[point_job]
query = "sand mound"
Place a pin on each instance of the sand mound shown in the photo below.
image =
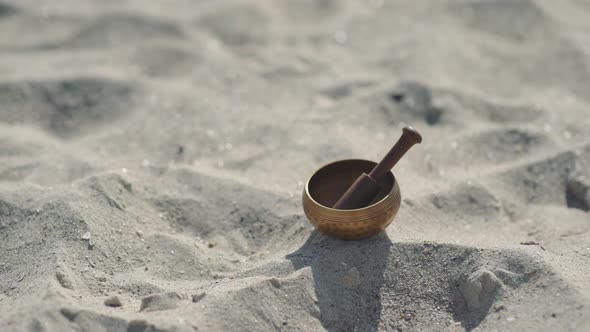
(152, 158)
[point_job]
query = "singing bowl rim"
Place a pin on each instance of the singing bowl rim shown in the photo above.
(394, 188)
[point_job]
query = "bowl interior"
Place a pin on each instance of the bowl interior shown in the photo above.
(330, 182)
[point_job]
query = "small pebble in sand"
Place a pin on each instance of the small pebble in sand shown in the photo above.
(499, 307)
(64, 280)
(139, 233)
(162, 301)
(479, 288)
(113, 301)
(86, 236)
(198, 297)
(511, 319)
(210, 245)
(275, 282)
(351, 279)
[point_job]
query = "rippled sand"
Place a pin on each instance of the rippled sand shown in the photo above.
(155, 151)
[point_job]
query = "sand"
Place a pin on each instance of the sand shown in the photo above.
(153, 155)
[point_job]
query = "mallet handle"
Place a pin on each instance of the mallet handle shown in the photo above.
(366, 187)
(409, 137)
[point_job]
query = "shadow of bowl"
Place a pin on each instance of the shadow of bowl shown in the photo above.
(347, 284)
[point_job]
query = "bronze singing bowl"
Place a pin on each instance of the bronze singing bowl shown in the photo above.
(326, 186)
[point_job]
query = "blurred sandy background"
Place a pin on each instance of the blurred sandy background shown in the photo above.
(153, 154)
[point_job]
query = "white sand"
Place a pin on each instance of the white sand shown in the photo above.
(176, 136)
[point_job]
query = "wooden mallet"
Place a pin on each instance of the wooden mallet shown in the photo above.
(366, 187)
